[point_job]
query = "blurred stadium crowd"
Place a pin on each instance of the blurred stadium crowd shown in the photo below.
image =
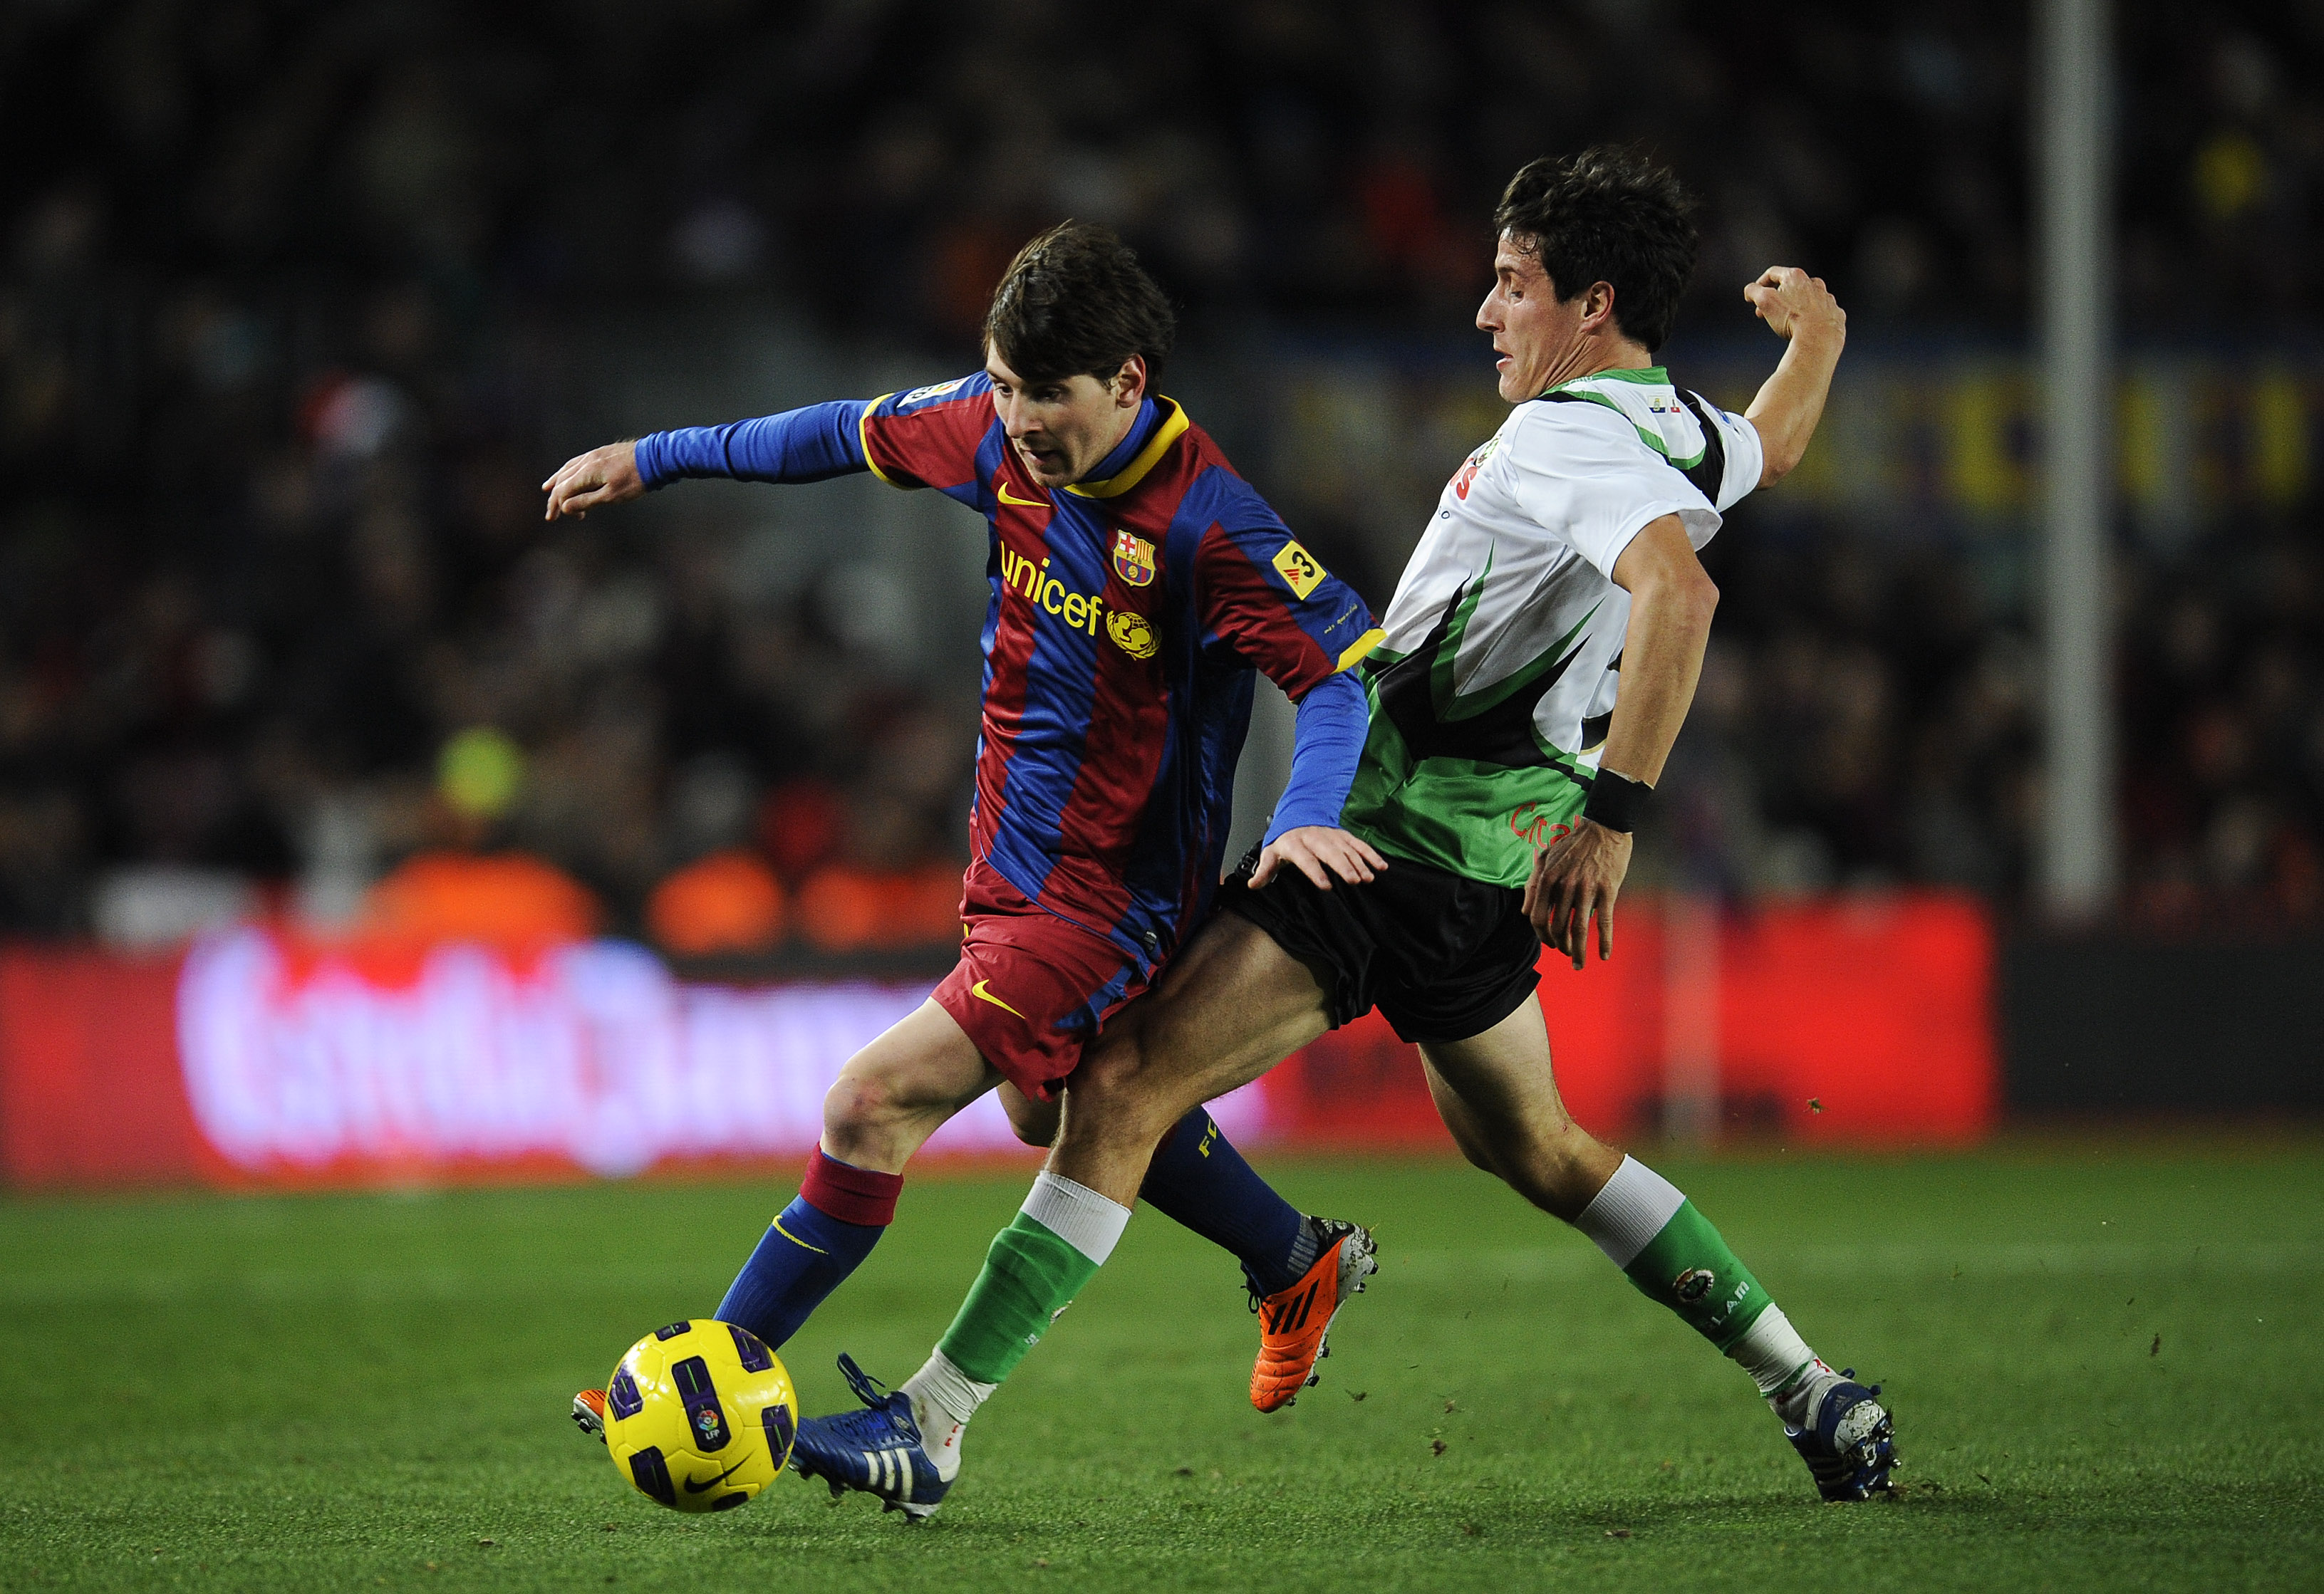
(287, 285)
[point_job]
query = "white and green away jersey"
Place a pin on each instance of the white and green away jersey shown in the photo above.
(1491, 694)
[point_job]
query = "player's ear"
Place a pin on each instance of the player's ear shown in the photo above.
(1598, 307)
(1128, 383)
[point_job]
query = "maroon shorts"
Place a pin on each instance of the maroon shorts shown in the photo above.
(1031, 989)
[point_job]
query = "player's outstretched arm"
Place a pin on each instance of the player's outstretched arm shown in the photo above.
(601, 476)
(1801, 310)
(809, 445)
(1578, 877)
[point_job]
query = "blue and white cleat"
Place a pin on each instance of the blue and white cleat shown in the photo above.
(874, 1452)
(1850, 1443)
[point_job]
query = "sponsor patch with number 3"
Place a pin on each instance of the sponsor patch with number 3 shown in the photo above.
(1299, 569)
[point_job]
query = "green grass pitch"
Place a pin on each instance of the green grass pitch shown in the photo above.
(2104, 1358)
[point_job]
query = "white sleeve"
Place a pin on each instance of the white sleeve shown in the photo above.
(1747, 456)
(1578, 472)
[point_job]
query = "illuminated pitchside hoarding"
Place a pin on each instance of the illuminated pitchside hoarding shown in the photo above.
(256, 1058)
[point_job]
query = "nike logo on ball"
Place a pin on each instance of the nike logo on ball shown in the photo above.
(693, 1488)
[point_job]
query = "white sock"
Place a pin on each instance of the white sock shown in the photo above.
(944, 1398)
(1791, 1376)
(1797, 1405)
(1089, 1223)
(1629, 1211)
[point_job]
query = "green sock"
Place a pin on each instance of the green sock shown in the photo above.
(1688, 1269)
(1651, 1232)
(1030, 1275)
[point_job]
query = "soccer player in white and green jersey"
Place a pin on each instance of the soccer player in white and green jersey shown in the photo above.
(1541, 650)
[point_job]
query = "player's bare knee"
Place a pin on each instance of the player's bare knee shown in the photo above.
(859, 1103)
(1112, 1101)
(1111, 1104)
(1108, 1075)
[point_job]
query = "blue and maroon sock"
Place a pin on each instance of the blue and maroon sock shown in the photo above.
(1202, 1182)
(812, 1246)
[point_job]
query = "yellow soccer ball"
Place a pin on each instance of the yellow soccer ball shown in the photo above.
(700, 1415)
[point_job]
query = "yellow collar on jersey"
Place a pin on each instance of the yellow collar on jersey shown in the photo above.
(1173, 425)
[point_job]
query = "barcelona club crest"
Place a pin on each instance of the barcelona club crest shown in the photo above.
(1133, 558)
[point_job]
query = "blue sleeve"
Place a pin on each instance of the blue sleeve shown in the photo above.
(1326, 740)
(810, 445)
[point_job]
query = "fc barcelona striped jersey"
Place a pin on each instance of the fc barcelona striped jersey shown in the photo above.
(1126, 616)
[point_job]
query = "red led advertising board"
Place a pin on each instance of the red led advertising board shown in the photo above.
(254, 1059)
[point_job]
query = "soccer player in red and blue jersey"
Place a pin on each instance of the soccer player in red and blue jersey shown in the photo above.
(1562, 548)
(1137, 582)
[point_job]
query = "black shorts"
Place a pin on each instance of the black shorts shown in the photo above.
(1444, 957)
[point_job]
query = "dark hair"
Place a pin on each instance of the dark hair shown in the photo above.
(1075, 300)
(1611, 216)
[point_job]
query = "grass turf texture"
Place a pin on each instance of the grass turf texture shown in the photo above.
(2103, 1359)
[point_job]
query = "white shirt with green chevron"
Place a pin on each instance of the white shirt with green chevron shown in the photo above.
(1491, 693)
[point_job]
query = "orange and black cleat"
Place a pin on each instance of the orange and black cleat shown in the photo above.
(1295, 1323)
(589, 1413)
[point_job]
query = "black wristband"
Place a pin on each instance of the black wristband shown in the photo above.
(1616, 801)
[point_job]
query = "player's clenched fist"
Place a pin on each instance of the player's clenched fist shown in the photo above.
(1793, 303)
(602, 475)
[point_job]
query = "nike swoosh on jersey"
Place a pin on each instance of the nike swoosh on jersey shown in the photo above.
(982, 995)
(693, 1487)
(1025, 503)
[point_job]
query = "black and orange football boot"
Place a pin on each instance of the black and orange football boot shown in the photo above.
(1294, 1324)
